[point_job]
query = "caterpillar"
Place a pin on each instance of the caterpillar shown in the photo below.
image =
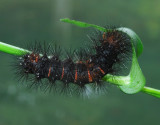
(80, 68)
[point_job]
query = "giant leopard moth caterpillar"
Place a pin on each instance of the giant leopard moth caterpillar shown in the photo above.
(80, 69)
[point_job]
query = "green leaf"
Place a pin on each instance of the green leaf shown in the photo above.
(136, 77)
(83, 24)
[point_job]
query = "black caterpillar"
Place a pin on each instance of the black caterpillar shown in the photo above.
(89, 68)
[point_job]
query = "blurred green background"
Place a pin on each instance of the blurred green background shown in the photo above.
(23, 21)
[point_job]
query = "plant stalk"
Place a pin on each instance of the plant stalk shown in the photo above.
(13, 50)
(151, 91)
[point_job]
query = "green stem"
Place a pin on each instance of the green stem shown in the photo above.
(13, 50)
(151, 91)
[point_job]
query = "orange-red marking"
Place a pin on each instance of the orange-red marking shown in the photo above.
(101, 70)
(89, 76)
(110, 40)
(34, 57)
(49, 73)
(62, 73)
(75, 79)
(104, 35)
(37, 57)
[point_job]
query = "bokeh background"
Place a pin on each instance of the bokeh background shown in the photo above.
(23, 21)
